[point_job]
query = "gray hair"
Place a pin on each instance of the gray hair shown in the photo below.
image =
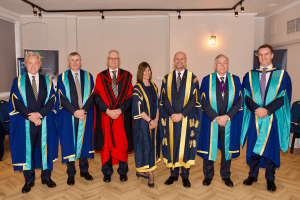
(219, 56)
(74, 54)
(113, 51)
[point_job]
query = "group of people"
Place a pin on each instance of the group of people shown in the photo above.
(114, 118)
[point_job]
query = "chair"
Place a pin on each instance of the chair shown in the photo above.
(4, 116)
(295, 123)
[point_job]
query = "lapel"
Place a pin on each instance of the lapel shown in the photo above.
(268, 85)
(29, 91)
(82, 82)
(73, 91)
(42, 89)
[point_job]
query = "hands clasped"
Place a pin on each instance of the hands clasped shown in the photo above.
(222, 120)
(176, 117)
(114, 114)
(35, 118)
(80, 114)
(261, 112)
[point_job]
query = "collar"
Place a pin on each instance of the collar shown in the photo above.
(75, 72)
(219, 77)
(30, 76)
(268, 67)
(181, 73)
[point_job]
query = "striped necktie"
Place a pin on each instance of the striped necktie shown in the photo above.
(114, 84)
(33, 84)
(178, 80)
(223, 83)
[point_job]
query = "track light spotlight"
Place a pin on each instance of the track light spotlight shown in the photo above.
(34, 11)
(40, 14)
(179, 16)
(242, 9)
(236, 14)
(103, 18)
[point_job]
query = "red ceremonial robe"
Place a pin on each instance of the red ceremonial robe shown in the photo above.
(113, 135)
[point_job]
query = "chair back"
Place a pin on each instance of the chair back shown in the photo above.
(295, 112)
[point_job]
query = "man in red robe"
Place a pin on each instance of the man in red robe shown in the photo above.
(113, 131)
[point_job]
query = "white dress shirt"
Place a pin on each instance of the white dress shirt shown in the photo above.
(219, 77)
(78, 75)
(37, 78)
(181, 73)
(267, 73)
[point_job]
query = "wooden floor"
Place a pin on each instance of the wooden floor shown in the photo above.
(287, 182)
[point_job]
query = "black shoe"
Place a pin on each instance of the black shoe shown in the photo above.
(186, 182)
(151, 185)
(228, 182)
(71, 180)
(171, 180)
(250, 180)
(207, 181)
(87, 176)
(107, 178)
(141, 175)
(123, 177)
(27, 187)
(49, 182)
(271, 185)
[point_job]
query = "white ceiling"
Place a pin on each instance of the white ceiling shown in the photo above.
(251, 6)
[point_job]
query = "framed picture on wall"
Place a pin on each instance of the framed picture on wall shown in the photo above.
(21, 66)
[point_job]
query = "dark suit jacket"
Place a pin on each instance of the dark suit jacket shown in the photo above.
(221, 104)
(72, 106)
(175, 109)
(34, 105)
(271, 107)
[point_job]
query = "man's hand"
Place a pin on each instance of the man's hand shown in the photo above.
(34, 116)
(114, 114)
(222, 120)
(79, 113)
(38, 122)
(176, 117)
(153, 124)
(83, 117)
(261, 112)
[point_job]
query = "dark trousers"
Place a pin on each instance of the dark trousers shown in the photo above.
(108, 170)
(83, 165)
(83, 162)
(208, 165)
(270, 167)
(184, 172)
(35, 138)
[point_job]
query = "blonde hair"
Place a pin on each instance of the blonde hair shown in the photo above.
(35, 55)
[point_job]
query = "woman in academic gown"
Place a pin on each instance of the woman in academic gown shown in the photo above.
(145, 120)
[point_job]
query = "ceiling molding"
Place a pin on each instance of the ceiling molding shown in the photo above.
(211, 14)
(283, 9)
(8, 15)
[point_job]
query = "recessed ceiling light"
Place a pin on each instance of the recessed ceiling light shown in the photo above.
(273, 5)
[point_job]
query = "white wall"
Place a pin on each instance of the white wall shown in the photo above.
(276, 35)
(137, 39)
(235, 39)
(154, 39)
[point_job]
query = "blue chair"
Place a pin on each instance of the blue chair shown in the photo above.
(4, 116)
(295, 123)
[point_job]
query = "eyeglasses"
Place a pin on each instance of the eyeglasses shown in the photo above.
(115, 59)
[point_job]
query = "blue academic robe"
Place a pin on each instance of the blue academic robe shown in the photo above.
(65, 121)
(145, 140)
(208, 140)
(19, 129)
(266, 136)
(179, 140)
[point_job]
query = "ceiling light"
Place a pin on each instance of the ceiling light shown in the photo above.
(236, 14)
(103, 18)
(34, 11)
(179, 16)
(213, 40)
(40, 14)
